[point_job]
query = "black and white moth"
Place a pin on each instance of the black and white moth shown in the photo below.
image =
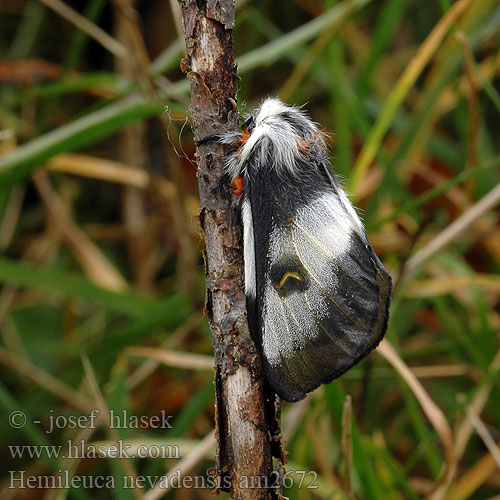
(317, 295)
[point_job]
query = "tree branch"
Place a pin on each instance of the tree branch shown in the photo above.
(247, 416)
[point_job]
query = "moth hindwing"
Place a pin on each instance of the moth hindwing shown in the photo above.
(317, 295)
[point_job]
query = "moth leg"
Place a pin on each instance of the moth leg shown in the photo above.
(208, 139)
(234, 139)
(221, 184)
(237, 184)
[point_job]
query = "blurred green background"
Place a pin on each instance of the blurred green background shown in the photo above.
(101, 300)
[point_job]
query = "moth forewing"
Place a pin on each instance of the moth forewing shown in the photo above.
(317, 295)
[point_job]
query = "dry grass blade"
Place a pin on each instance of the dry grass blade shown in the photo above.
(470, 480)
(465, 429)
(100, 36)
(485, 435)
(177, 17)
(401, 89)
(319, 433)
(473, 104)
(9, 333)
(45, 380)
(431, 410)
(347, 445)
(452, 232)
(39, 251)
(11, 216)
(133, 149)
(442, 371)
(110, 171)
(173, 448)
(446, 284)
(128, 22)
(96, 265)
(149, 366)
(98, 168)
(184, 360)
(69, 464)
(294, 416)
(463, 434)
(103, 414)
(183, 466)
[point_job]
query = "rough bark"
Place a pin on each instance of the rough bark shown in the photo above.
(246, 413)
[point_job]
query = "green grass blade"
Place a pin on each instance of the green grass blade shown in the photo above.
(71, 285)
(82, 132)
(270, 52)
(400, 91)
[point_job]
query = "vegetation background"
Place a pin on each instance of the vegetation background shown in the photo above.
(102, 280)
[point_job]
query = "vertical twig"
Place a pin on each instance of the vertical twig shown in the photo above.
(347, 445)
(246, 417)
(138, 68)
(132, 150)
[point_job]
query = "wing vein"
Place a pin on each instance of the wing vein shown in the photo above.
(320, 324)
(299, 351)
(314, 277)
(323, 249)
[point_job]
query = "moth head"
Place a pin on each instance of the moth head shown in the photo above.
(270, 108)
(275, 136)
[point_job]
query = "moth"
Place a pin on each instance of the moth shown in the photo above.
(317, 295)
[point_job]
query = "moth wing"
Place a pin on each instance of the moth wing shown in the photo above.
(325, 296)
